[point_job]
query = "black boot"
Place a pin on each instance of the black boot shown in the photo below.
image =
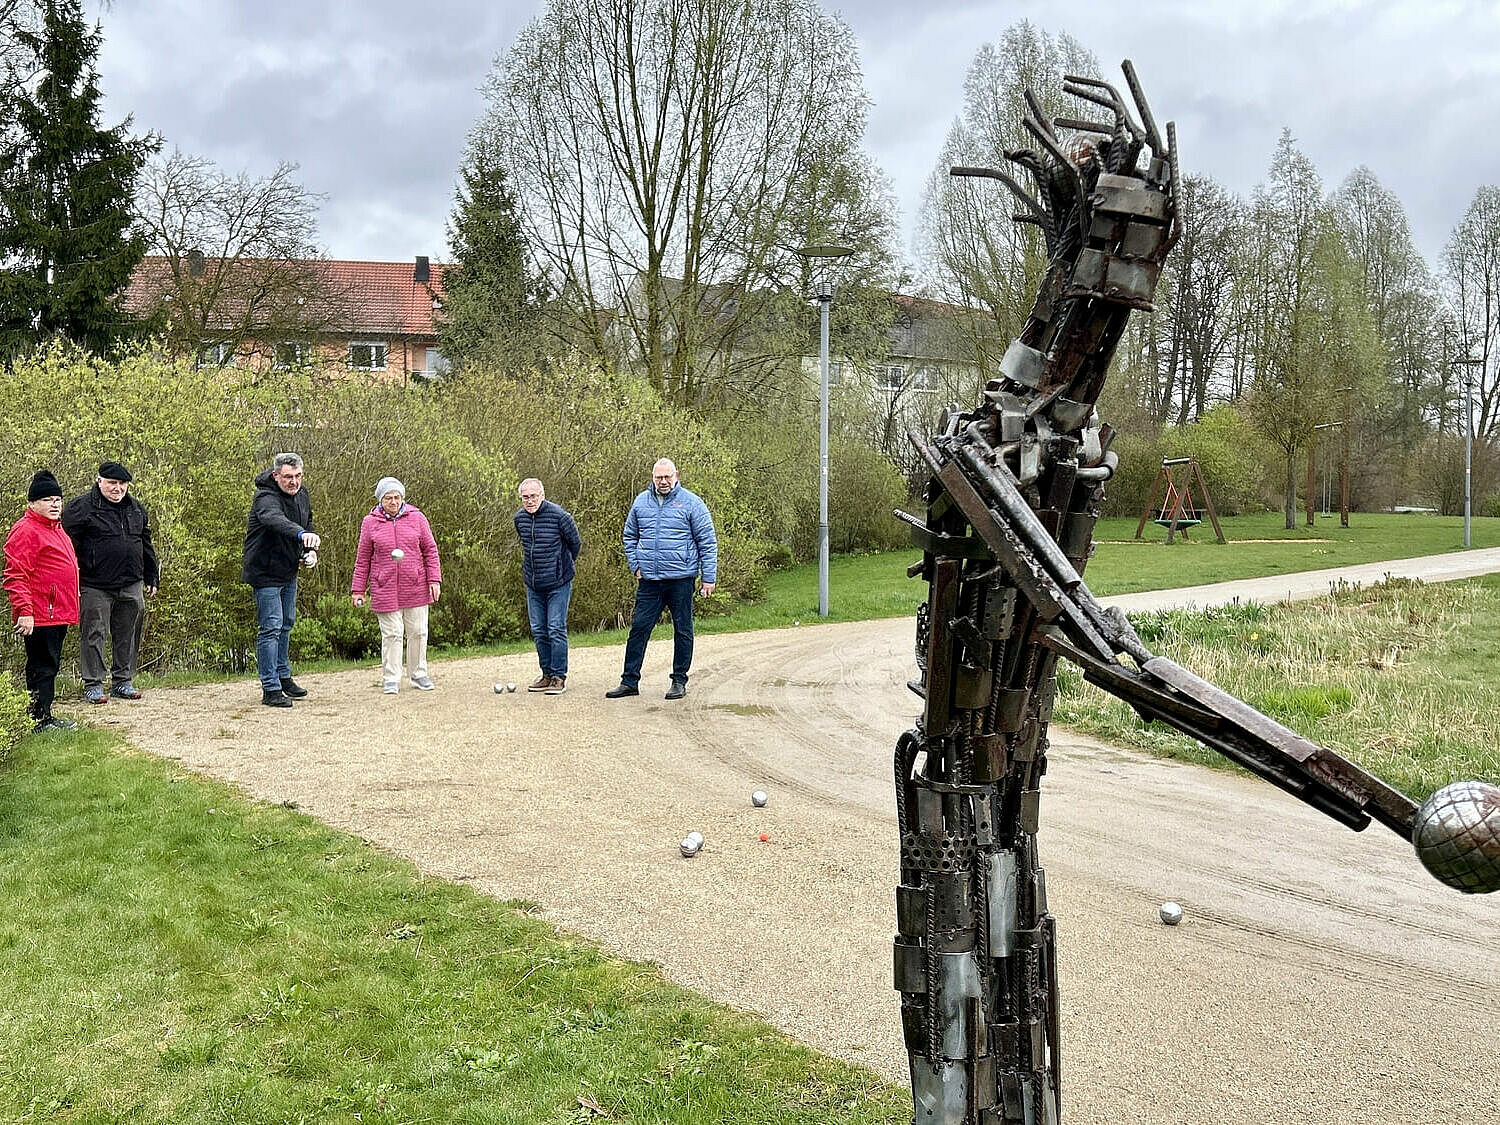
(292, 688)
(275, 698)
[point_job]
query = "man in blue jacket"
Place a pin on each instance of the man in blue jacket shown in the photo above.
(670, 545)
(549, 548)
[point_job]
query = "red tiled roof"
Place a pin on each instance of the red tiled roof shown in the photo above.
(385, 297)
(372, 298)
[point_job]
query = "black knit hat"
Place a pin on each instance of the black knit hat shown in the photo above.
(113, 470)
(43, 485)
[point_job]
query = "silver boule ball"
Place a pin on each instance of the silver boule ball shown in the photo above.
(696, 837)
(398, 553)
(510, 687)
(1170, 913)
(689, 847)
(759, 798)
(1457, 836)
(499, 689)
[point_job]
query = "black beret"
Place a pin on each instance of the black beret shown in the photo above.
(113, 470)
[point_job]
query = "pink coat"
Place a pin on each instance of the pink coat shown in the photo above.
(396, 583)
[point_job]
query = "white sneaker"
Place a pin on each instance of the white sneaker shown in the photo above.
(391, 687)
(422, 683)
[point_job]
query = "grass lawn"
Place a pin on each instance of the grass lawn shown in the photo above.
(1398, 677)
(861, 587)
(170, 952)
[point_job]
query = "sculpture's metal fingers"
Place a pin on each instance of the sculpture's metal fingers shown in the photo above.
(1176, 183)
(1038, 112)
(1037, 213)
(1083, 126)
(1085, 88)
(1148, 123)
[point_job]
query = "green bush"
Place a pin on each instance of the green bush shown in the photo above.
(15, 713)
(352, 633)
(309, 640)
(1231, 456)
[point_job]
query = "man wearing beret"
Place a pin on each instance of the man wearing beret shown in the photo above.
(41, 580)
(117, 572)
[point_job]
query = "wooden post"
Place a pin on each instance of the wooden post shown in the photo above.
(1312, 478)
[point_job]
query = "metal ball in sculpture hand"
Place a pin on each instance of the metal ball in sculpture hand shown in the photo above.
(397, 553)
(689, 847)
(1457, 836)
(759, 798)
(1170, 913)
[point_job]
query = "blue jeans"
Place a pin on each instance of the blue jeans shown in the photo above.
(548, 610)
(276, 610)
(651, 595)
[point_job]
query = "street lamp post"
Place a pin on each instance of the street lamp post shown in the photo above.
(823, 294)
(1470, 362)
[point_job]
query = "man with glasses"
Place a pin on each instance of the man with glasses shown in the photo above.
(279, 538)
(672, 548)
(549, 547)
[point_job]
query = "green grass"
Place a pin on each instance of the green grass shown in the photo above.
(1399, 677)
(172, 953)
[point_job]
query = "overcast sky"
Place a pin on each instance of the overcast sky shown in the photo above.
(373, 98)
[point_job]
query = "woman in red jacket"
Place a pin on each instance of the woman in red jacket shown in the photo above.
(41, 579)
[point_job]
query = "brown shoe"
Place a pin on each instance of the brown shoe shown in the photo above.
(541, 683)
(558, 685)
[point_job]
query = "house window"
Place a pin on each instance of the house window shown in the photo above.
(214, 353)
(367, 356)
(835, 374)
(892, 378)
(293, 353)
(437, 364)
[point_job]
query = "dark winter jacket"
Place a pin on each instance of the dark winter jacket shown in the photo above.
(549, 546)
(273, 536)
(671, 536)
(113, 541)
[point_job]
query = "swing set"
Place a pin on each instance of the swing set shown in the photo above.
(1176, 511)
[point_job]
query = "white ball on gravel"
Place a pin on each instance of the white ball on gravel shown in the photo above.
(689, 847)
(696, 837)
(1170, 913)
(398, 553)
(759, 798)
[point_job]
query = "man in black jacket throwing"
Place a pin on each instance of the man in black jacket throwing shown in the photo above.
(117, 572)
(549, 546)
(278, 539)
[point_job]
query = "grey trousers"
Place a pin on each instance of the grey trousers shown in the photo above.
(121, 614)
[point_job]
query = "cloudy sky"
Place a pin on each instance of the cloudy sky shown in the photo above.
(373, 98)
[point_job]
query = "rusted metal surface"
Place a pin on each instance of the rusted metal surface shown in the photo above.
(1016, 487)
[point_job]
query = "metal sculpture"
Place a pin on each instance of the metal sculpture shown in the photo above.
(1016, 488)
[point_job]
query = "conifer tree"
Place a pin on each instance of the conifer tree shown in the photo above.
(490, 295)
(66, 245)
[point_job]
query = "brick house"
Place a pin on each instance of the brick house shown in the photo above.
(376, 317)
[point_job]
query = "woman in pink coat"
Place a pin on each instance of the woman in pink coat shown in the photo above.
(397, 564)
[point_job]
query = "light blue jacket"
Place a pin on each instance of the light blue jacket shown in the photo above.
(671, 536)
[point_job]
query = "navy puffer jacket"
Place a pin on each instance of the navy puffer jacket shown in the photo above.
(549, 545)
(671, 536)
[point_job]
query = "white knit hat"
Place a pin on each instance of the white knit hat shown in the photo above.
(389, 484)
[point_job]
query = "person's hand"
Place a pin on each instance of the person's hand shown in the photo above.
(24, 625)
(707, 588)
(434, 589)
(637, 574)
(149, 591)
(311, 541)
(358, 600)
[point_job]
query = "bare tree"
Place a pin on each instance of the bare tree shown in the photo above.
(1472, 260)
(669, 157)
(234, 264)
(976, 256)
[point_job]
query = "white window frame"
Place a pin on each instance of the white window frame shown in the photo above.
(215, 353)
(301, 355)
(378, 351)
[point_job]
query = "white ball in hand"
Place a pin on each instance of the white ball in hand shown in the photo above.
(310, 559)
(398, 553)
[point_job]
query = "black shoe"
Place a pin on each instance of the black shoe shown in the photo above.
(275, 698)
(621, 692)
(291, 687)
(51, 725)
(676, 691)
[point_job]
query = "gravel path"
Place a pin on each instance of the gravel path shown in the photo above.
(1319, 975)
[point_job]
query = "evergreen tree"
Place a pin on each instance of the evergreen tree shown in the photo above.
(66, 247)
(490, 295)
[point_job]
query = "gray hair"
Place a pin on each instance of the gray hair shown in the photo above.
(532, 480)
(282, 460)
